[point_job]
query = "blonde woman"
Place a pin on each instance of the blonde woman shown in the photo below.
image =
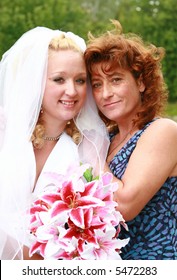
(43, 94)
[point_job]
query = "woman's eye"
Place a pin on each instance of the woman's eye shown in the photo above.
(96, 85)
(116, 79)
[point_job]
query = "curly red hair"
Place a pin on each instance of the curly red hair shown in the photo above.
(129, 52)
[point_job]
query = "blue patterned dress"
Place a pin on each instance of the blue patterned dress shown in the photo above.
(153, 233)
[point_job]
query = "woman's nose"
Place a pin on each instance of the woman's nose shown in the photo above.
(107, 90)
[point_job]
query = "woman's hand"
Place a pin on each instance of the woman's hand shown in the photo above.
(153, 160)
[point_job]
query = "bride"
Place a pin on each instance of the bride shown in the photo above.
(48, 121)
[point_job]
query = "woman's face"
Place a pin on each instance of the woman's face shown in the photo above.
(65, 89)
(117, 94)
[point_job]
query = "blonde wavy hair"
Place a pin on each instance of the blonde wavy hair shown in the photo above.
(142, 59)
(59, 43)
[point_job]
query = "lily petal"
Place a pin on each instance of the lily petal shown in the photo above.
(77, 217)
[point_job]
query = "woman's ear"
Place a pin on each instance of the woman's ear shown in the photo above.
(141, 84)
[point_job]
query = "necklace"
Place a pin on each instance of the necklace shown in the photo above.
(110, 152)
(48, 138)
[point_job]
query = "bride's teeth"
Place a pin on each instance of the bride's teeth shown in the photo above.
(67, 102)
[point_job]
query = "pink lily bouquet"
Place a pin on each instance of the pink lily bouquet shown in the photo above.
(75, 217)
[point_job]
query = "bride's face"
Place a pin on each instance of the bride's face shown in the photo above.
(65, 89)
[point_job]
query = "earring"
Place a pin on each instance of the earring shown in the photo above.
(41, 111)
(68, 123)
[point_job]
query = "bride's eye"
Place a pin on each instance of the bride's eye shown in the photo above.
(59, 80)
(81, 81)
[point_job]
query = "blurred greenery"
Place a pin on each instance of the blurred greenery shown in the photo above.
(154, 20)
(171, 109)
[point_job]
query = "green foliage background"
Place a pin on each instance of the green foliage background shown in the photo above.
(154, 20)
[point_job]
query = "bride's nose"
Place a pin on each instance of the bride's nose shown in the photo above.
(70, 88)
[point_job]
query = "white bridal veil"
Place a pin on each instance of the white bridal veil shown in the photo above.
(22, 81)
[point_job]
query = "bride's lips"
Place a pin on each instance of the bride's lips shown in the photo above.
(68, 103)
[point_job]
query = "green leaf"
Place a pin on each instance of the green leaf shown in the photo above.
(88, 174)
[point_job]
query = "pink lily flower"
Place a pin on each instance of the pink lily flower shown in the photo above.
(71, 199)
(75, 217)
(107, 246)
(83, 229)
